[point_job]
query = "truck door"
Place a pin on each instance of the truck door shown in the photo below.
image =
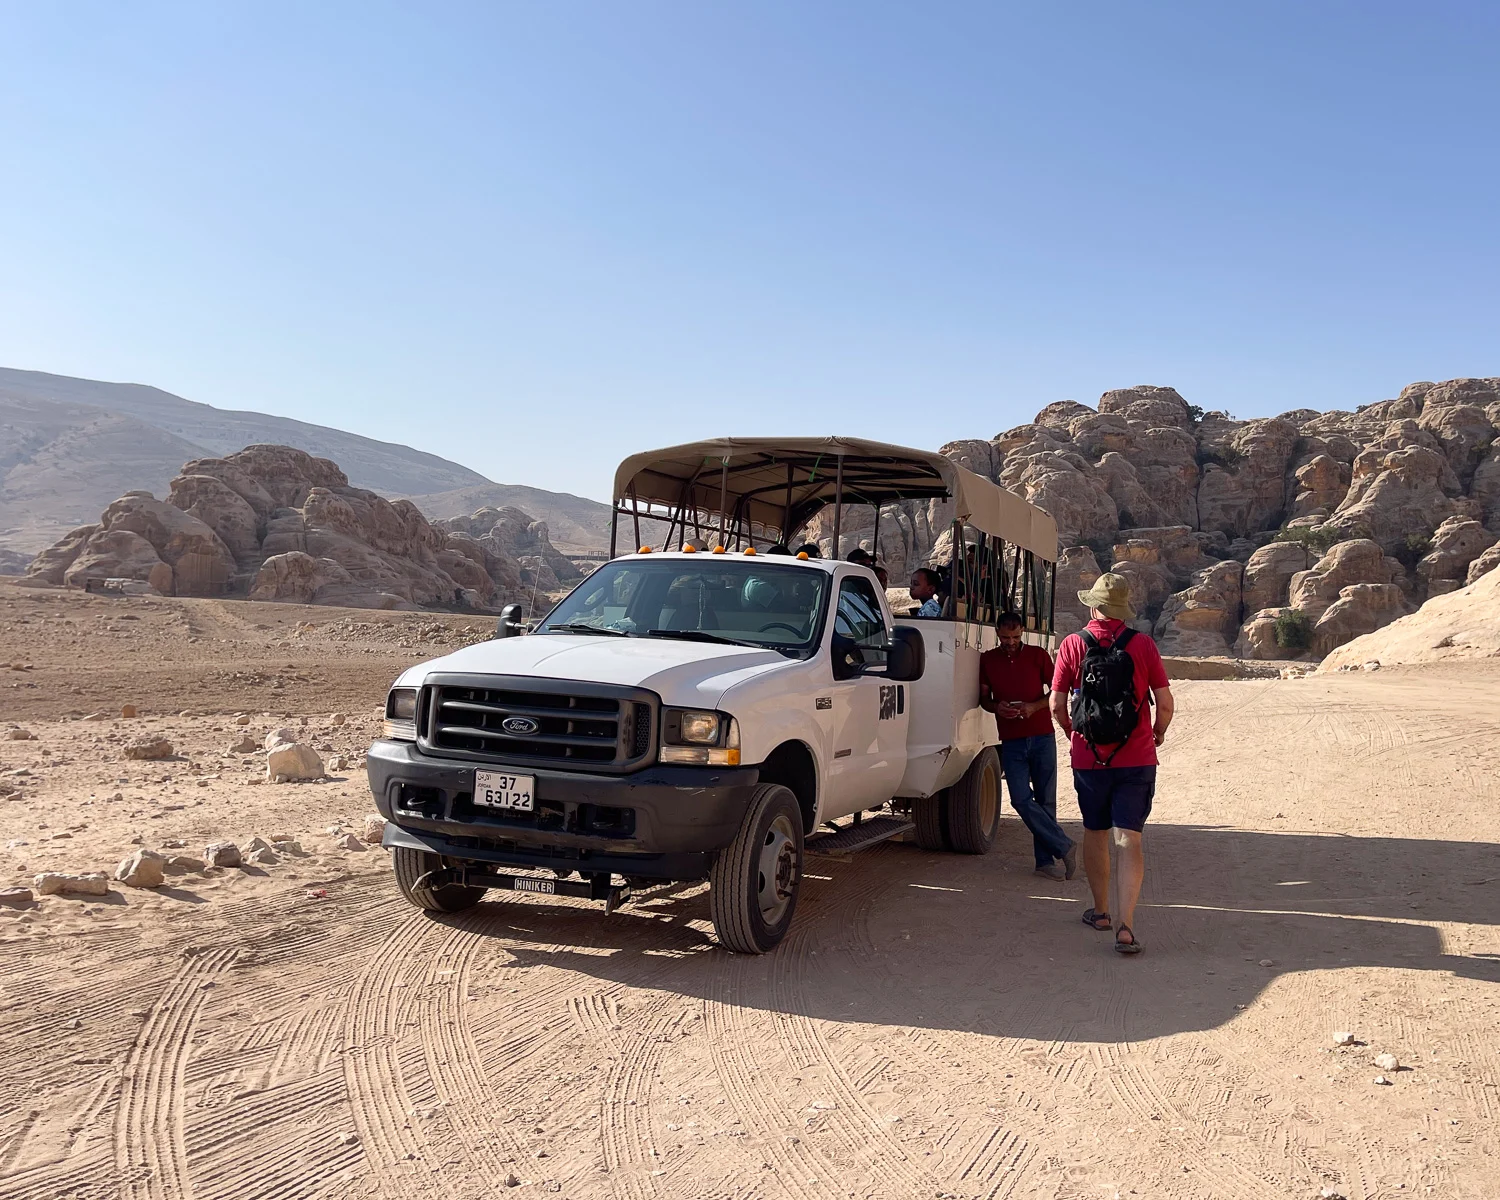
(866, 754)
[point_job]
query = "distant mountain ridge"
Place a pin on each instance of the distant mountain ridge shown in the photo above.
(69, 447)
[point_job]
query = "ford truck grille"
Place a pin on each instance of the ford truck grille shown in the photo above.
(601, 728)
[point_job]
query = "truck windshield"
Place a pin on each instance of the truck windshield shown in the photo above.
(750, 602)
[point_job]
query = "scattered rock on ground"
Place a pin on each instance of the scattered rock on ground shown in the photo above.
(142, 869)
(294, 762)
(347, 841)
(242, 719)
(264, 857)
(222, 854)
(245, 745)
(127, 710)
(183, 864)
(373, 829)
(1387, 1062)
(16, 897)
(20, 735)
(1343, 1038)
(149, 748)
(52, 883)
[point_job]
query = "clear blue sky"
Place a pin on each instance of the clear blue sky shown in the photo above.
(535, 237)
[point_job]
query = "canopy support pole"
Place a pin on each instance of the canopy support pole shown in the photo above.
(838, 507)
(875, 545)
(723, 500)
(635, 513)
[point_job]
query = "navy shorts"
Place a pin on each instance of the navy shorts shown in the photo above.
(1115, 797)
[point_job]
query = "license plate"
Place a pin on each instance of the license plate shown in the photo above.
(544, 887)
(498, 789)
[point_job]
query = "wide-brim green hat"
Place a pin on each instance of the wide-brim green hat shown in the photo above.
(1111, 596)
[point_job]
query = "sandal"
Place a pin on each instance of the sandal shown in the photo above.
(1092, 919)
(1130, 947)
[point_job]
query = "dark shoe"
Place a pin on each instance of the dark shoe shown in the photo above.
(1053, 870)
(1097, 920)
(1130, 947)
(1070, 862)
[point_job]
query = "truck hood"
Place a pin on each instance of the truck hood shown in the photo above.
(681, 673)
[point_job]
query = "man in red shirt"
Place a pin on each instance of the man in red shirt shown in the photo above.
(1115, 784)
(1013, 682)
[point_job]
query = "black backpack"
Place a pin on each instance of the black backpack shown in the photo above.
(1104, 710)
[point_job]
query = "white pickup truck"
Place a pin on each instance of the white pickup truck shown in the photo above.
(708, 713)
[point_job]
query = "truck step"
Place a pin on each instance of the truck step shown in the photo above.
(849, 838)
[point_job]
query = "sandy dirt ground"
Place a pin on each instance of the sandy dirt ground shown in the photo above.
(1323, 857)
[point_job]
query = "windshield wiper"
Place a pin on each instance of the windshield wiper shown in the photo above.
(698, 635)
(580, 627)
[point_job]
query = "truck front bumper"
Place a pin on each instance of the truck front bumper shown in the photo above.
(662, 822)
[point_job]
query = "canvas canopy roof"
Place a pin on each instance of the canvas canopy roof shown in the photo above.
(781, 483)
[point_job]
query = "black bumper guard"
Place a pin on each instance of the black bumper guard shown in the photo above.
(596, 887)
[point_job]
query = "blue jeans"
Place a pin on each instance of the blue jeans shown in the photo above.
(1030, 766)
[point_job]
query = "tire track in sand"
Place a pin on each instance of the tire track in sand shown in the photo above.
(150, 1143)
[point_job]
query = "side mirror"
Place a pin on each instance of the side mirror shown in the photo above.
(906, 659)
(509, 624)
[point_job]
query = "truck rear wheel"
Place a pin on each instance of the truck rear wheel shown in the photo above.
(754, 881)
(931, 815)
(974, 808)
(411, 865)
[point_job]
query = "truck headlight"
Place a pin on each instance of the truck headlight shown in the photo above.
(401, 715)
(705, 739)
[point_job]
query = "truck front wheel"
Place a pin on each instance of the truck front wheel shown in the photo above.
(754, 882)
(411, 865)
(974, 805)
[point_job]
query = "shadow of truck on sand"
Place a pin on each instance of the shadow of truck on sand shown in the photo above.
(898, 936)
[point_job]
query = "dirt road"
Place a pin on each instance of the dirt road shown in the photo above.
(1322, 858)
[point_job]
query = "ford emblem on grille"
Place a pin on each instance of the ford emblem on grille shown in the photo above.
(520, 726)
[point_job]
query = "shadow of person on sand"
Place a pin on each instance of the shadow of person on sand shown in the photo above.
(900, 936)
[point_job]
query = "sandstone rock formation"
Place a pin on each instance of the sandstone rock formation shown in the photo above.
(274, 523)
(1161, 492)
(1459, 625)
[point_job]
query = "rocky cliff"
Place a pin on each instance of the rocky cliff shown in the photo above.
(1277, 537)
(274, 523)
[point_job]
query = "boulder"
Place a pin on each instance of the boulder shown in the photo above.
(1269, 571)
(1151, 407)
(221, 854)
(1396, 494)
(1360, 608)
(1077, 570)
(144, 868)
(373, 829)
(118, 554)
(53, 883)
(1321, 484)
(1484, 564)
(1484, 490)
(51, 565)
(1257, 637)
(1456, 543)
(150, 747)
(1243, 487)
(1357, 561)
(1204, 619)
(17, 897)
(201, 563)
(293, 762)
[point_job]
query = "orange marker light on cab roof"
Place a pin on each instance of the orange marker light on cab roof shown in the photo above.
(718, 549)
(644, 550)
(802, 554)
(690, 549)
(749, 549)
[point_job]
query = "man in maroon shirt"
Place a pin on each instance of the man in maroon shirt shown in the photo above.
(1013, 682)
(1115, 784)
